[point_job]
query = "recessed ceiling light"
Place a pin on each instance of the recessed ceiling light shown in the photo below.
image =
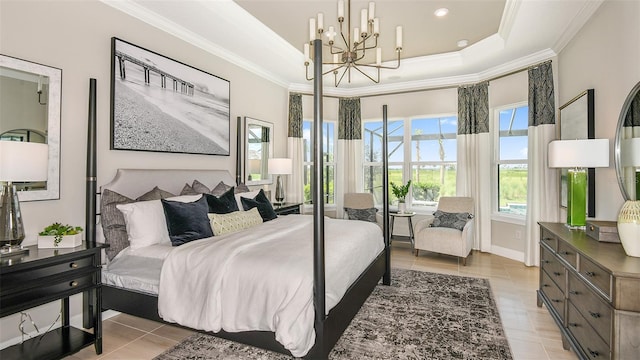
(441, 12)
(462, 43)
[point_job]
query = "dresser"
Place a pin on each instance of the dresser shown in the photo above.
(46, 275)
(592, 291)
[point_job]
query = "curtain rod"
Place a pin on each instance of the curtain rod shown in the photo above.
(441, 87)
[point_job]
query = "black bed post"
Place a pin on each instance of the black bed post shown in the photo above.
(318, 200)
(239, 144)
(90, 202)
(386, 279)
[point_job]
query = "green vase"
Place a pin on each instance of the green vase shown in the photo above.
(577, 198)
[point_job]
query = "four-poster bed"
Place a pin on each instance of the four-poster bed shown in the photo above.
(328, 325)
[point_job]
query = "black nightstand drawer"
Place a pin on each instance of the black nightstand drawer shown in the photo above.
(287, 208)
(19, 278)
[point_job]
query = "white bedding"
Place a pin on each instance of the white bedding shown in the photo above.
(262, 278)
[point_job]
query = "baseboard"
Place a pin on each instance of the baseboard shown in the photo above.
(508, 253)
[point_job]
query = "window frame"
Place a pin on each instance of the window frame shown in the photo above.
(309, 205)
(496, 162)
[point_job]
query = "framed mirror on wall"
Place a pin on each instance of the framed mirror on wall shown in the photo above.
(30, 108)
(258, 138)
(577, 121)
(627, 146)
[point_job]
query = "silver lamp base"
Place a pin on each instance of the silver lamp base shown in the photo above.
(279, 191)
(11, 227)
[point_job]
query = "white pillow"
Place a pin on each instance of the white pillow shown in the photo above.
(233, 222)
(248, 195)
(145, 221)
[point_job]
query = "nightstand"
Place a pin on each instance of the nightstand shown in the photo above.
(46, 275)
(287, 208)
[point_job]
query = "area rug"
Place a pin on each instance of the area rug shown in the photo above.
(420, 316)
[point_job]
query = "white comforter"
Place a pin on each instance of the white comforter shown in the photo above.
(262, 278)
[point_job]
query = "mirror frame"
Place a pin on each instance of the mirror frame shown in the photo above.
(54, 109)
(616, 154)
(251, 121)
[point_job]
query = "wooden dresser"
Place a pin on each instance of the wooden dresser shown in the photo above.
(592, 290)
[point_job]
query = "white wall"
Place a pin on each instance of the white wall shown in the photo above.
(75, 36)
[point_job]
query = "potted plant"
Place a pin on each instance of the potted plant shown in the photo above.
(57, 235)
(400, 192)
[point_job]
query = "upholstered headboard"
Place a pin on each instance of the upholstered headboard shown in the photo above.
(135, 182)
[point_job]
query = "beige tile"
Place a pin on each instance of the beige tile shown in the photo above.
(173, 332)
(136, 322)
(527, 350)
(147, 347)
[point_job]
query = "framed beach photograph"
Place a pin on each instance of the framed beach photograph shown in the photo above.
(162, 105)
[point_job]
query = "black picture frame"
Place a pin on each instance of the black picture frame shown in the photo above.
(577, 121)
(162, 105)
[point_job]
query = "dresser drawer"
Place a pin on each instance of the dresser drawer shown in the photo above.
(553, 267)
(597, 313)
(546, 237)
(588, 340)
(65, 267)
(567, 253)
(553, 293)
(597, 276)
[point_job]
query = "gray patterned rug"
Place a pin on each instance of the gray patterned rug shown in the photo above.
(420, 316)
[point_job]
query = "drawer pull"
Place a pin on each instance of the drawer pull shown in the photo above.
(590, 274)
(573, 292)
(556, 300)
(594, 315)
(556, 273)
(545, 261)
(73, 265)
(547, 239)
(593, 353)
(565, 253)
(573, 325)
(73, 283)
(545, 285)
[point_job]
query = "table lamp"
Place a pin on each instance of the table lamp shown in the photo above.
(280, 166)
(19, 161)
(577, 156)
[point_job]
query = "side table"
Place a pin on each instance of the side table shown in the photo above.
(407, 215)
(287, 208)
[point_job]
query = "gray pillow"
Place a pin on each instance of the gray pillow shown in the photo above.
(188, 190)
(112, 220)
(368, 214)
(450, 220)
(199, 187)
(154, 194)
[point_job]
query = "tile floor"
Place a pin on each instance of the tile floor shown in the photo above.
(531, 332)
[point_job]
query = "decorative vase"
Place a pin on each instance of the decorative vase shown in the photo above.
(629, 227)
(402, 207)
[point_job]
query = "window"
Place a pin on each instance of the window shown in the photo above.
(422, 149)
(328, 151)
(511, 160)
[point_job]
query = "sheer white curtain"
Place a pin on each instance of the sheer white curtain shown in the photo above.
(295, 184)
(473, 177)
(349, 155)
(542, 188)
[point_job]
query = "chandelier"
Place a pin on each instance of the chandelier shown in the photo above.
(351, 53)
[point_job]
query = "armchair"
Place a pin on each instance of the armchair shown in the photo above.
(446, 240)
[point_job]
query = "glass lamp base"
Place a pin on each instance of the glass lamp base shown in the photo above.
(577, 198)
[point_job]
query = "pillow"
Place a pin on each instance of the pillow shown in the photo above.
(248, 195)
(112, 220)
(235, 221)
(450, 220)
(145, 223)
(224, 204)
(262, 203)
(200, 187)
(242, 188)
(220, 189)
(154, 194)
(362, 214)
(188, 190)
(186, 221)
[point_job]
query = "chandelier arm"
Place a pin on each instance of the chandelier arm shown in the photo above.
(332, 70)
(370, 78)
(306, 71)
(384, 67)
(341, 76)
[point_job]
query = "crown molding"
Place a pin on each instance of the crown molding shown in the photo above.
(509, 15)
(578, 21)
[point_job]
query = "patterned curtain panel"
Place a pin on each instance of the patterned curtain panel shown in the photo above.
(474, 158)
(349, 119)
(295, 115)
(473, 109)
(542, 182)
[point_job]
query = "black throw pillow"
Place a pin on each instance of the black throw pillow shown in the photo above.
(262, 203)
(224, 204)
(187, 221)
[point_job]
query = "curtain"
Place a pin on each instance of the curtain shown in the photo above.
(295, 184)
(542, 182)
(349, 154)
(473, 177)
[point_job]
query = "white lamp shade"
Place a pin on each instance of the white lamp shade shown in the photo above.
(588, 153)
(23, 161)
(630, 152)
(280, 166)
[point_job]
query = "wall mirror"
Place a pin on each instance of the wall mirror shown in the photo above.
(258, 149)
(627, 146)
(30, 105)
(577, 121)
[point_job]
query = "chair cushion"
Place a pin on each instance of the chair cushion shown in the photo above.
(362, 214)
(450, 220)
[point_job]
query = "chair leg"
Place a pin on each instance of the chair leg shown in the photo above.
(417, 251)
(464, 261)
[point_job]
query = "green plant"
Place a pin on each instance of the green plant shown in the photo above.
(58, 231)
(400, 191)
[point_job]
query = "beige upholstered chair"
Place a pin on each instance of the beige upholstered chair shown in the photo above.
(360, 201)
(446, 240)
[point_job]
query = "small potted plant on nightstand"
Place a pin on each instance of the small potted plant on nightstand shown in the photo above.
(400, 192)
(57, 235)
